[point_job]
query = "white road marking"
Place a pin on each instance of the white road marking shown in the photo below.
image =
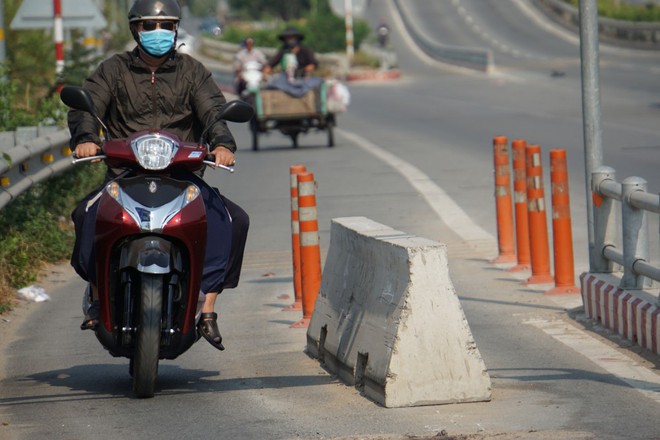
(448, 211)
(637, 376)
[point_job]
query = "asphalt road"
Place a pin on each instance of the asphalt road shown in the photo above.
(554, 377)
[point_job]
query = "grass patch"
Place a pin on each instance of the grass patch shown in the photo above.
(618, 10)
(35, 229)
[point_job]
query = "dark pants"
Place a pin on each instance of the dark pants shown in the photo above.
(222, 269)
(240, 223)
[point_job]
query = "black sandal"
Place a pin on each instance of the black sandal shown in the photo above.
(208, 327)
(92, 317)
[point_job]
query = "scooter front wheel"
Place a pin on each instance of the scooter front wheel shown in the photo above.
(146, 355)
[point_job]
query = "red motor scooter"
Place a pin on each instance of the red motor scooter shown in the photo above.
(150, 243)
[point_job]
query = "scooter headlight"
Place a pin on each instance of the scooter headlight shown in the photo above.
(154, 152)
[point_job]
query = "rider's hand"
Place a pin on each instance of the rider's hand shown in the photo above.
(87, 149)
(223, 156)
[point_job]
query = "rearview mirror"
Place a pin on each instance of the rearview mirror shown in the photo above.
(77, 98)
(237, 111)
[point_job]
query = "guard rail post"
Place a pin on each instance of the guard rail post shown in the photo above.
(310, 251)
(562, 234)
(538, 226)
(294, 170)
(606, 220)
(635, 234)
(520, 204)
(503, 203)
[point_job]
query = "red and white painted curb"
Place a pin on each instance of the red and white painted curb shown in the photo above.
(621, 311)
(373, 75)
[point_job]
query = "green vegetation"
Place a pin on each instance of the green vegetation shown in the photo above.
(324, 32)
(41, 212)
(617, 9)
(273, 9)
(28, 97)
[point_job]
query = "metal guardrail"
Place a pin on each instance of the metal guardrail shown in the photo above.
(470, 57)
(627, 225)
(33, 161)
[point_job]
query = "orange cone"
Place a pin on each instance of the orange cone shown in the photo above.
(294, 170)
(561, 226)
(503, 203)
(520, 204)
(310, 250)
(538, 227)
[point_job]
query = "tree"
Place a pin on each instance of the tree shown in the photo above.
(285, 10)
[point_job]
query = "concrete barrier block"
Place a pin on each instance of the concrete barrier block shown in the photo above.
(387, 319)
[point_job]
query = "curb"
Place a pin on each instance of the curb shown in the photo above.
(625, 312)
(373, 75)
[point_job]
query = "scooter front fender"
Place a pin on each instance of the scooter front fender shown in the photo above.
(148, 255)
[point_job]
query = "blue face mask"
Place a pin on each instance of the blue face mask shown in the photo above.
(157, 42)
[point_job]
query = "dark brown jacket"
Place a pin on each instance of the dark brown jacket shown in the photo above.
(305, 57)
(180, 97)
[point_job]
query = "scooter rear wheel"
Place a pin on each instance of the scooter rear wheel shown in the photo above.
(145, 358)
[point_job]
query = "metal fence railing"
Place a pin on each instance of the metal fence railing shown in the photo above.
(621, 230)
(31, 161)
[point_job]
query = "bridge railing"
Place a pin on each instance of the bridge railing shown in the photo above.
(621, 231)
(30, 155)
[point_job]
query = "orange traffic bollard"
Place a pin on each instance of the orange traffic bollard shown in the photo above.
(294, 170)
(310, 250)
(520, 204)
(561, 226)
(503, 204)
(538, 227)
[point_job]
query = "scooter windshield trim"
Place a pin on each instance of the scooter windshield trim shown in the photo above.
(152, 219)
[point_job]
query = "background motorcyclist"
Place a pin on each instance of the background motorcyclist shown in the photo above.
(305, 62)
(154, 87)
(247, 54)
(383, 32)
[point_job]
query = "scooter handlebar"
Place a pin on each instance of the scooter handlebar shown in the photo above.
(213, 165)
(100, 157)
(88, 158)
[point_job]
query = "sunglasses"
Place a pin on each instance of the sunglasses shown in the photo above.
(151, 25)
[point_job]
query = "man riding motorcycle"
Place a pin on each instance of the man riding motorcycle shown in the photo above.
(244, 58)
(154, 87)
(303, 57)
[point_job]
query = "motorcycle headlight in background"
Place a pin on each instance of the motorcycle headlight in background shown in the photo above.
(153, 151)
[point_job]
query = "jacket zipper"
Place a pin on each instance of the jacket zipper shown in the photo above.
(154, 99)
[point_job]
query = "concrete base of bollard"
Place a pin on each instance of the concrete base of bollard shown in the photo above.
(387, 319)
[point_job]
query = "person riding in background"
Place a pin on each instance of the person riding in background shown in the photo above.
(154, 87)
(244, 56)
(383, 32)
(293, 55)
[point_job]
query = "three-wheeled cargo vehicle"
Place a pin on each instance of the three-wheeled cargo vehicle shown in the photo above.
(278, 110)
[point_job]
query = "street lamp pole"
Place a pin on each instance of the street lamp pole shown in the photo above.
(348, 8)
(3, 50)
(591, 115)
(58, 32)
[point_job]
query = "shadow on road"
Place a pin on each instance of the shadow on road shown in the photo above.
(111, 381)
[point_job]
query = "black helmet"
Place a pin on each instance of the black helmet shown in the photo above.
(291, 31)
(155, 10)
